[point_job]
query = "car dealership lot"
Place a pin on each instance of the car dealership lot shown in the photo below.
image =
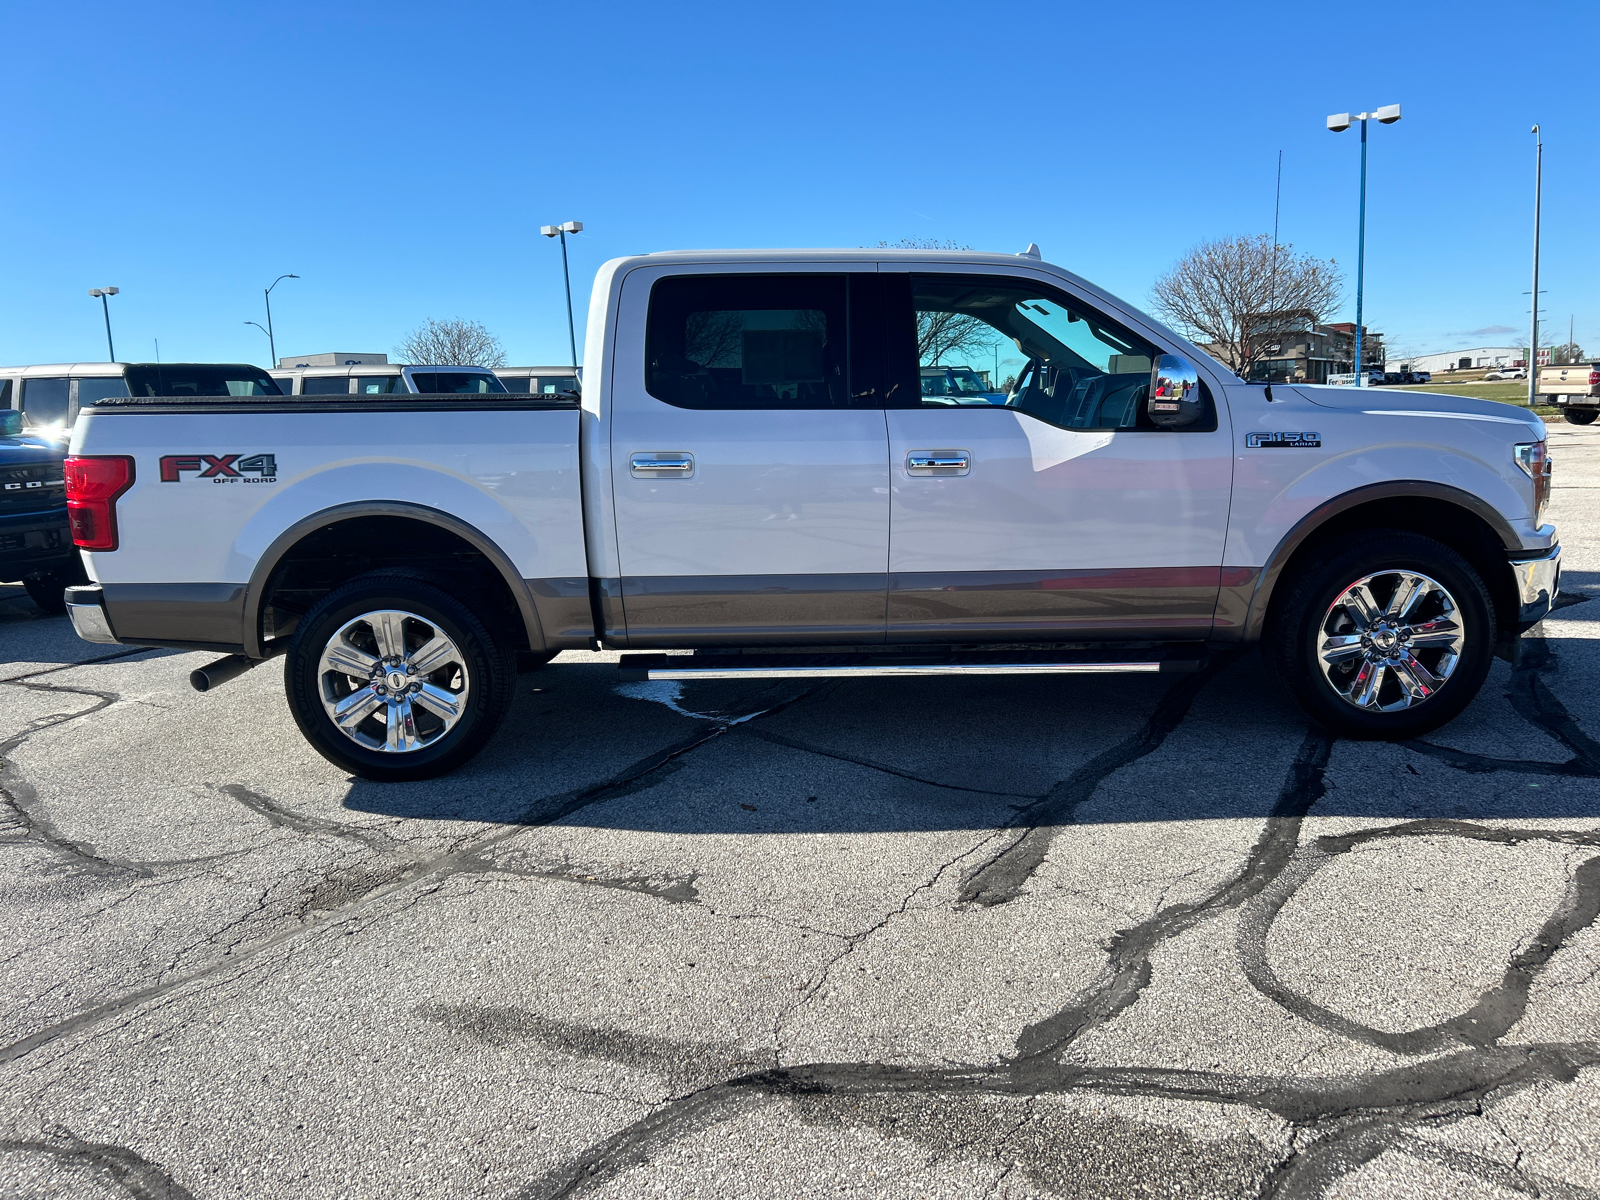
(1115, 936)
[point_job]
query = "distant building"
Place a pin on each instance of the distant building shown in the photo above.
(333, 358)
(1293, 347)
(1476, 358)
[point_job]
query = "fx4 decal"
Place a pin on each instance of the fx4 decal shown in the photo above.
(1281, 441)
(221, 468)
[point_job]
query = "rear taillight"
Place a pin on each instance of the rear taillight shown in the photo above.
(1534, 458)
(93, 484)
(1594, 378)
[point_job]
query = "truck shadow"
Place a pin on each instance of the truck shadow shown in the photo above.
(869, 756)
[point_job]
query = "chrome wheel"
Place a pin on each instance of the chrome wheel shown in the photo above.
(1390, 640)
(392, 681)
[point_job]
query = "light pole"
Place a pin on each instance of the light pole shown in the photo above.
(561, 231)
(101, 294)
(272, 343)
(1338, 123)
(264, 330)
(1533, 334)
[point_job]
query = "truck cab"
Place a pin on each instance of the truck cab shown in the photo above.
(386, 379)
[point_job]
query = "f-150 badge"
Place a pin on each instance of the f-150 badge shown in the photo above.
(1282, 441)
(221, 468)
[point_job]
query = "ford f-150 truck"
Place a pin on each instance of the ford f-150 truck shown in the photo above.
(753, 486)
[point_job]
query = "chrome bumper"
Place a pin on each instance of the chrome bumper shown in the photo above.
(1538, 582)
(86, 607)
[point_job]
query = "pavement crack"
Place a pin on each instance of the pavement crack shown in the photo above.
(1003, 877)
(119, 1166)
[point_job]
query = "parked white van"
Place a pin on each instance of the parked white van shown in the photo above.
(50, 394)
(384, 379)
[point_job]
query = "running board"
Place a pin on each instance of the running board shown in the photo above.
(712, 665)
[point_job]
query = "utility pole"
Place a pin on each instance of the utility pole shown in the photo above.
(1533, 335)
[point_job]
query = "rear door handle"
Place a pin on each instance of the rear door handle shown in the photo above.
(938, 462)
(654, 464)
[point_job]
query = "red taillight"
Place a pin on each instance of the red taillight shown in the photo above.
(93, 484)
(1594, 378)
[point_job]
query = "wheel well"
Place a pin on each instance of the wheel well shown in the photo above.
(1468, 534)
(342, 550)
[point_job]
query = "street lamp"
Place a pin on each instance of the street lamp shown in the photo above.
(264, 330)
(561, 231)
(100, 294)
(1338, 123)
(272, 343)
(1533, 336)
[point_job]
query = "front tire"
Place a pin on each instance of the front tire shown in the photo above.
(1385, 636)
(392, 678)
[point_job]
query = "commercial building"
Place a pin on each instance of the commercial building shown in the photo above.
(1477, 358)
(1293, 347)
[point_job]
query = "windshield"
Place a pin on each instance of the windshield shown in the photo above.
(456, 382)
(953, 381)
(200, 379)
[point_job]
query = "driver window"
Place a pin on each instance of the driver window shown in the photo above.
(985, 341)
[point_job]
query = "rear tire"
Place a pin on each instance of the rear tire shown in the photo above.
(46, 589)
(1386, 635)
(391, 678)
(1581, 416)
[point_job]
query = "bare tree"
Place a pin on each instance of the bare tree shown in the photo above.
(943, 335)
(455, 343)
(1231, 294)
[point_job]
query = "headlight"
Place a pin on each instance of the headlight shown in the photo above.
(1534, 458)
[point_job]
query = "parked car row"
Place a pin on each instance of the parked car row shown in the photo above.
(50, 395)
(36, 544)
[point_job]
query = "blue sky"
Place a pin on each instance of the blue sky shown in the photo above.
(400, 157)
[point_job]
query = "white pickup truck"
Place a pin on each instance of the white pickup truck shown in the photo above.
(754, 480)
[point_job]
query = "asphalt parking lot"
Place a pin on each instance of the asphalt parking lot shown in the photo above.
(1008, 937)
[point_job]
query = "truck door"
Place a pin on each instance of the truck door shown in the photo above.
(1046, 503)
(750, 463)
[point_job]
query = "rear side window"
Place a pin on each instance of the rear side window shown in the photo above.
(200, 379)
(44, 401)
(379, 385)
(323, 385)
(747, 341)
(518, 383)
(5, 393)
(457, 382)
(90, 390)
(550, 384)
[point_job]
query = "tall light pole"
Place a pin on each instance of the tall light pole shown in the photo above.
(272, 343)
(561, 231)
(101, 294)
(1533, 334)
(1338, 123)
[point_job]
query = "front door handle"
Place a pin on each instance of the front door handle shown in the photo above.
(654, 464)
(938, 462)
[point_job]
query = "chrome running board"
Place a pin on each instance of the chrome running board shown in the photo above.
(764, 665)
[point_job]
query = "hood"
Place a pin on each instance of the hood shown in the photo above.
(1421, 404)
(23, 450)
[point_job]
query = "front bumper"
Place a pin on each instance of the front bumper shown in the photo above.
(1538, 583)
(86, 606)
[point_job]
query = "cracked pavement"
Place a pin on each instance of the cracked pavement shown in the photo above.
(1114, 937)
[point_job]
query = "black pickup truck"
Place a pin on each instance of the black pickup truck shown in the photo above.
(35, 541)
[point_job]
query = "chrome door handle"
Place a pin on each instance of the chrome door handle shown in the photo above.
(650, 463)
(938, 462)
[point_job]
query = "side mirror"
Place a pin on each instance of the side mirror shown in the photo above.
(1174, 393)
(10, 422)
